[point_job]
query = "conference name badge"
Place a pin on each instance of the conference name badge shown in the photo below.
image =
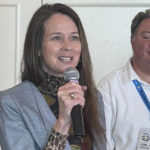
(144, 140)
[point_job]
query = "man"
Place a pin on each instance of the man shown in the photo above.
(126, 93)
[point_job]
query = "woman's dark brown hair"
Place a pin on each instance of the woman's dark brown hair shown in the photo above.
(32, 64)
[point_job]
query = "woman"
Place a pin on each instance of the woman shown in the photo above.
(35, 114)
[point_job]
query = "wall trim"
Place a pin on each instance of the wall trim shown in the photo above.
(109, 4)
(97, 4)
(9, 2)
(18, 51)
(16, 4)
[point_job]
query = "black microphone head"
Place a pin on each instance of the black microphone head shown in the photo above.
(71, 73)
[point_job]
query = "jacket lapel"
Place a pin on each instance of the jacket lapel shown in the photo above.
(47, 115)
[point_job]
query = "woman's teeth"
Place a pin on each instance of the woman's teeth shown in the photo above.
(65, 58)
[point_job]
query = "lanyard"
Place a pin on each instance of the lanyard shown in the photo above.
(142, 93)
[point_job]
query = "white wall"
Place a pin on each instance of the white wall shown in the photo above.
(14, 17)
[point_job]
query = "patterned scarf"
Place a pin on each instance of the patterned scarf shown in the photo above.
(51, 85)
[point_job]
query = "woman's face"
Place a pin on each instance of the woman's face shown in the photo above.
(61, 46)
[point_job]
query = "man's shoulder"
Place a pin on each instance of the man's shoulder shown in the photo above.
(113, 77)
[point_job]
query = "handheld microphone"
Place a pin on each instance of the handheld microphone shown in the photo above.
(72, 74)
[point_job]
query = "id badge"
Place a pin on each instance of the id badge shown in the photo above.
(144, 140)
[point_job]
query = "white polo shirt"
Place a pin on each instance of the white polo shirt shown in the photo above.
(125, 112)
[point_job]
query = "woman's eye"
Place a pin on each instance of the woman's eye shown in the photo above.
(74, 38)
(56, 38)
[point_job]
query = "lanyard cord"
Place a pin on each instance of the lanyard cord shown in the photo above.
(142, 93)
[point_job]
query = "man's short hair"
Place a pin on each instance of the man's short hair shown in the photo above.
(138, 19)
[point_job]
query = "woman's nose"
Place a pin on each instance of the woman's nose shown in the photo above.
(66, 45)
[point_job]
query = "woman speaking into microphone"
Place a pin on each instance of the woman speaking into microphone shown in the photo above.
(36, 114)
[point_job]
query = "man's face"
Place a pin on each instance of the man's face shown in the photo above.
(141, 43)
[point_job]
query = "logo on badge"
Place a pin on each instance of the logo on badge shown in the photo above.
(146, 137)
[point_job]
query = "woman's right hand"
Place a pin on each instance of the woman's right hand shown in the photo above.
(66, 103)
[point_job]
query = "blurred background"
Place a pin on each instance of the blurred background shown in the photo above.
(106, 22)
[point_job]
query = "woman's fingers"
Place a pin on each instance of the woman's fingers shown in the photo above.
(69, 95)
(84, 88)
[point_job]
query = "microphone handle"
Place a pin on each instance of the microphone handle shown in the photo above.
(77, 121)
(77, 118)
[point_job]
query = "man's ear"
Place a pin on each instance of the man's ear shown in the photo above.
(132, 40)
